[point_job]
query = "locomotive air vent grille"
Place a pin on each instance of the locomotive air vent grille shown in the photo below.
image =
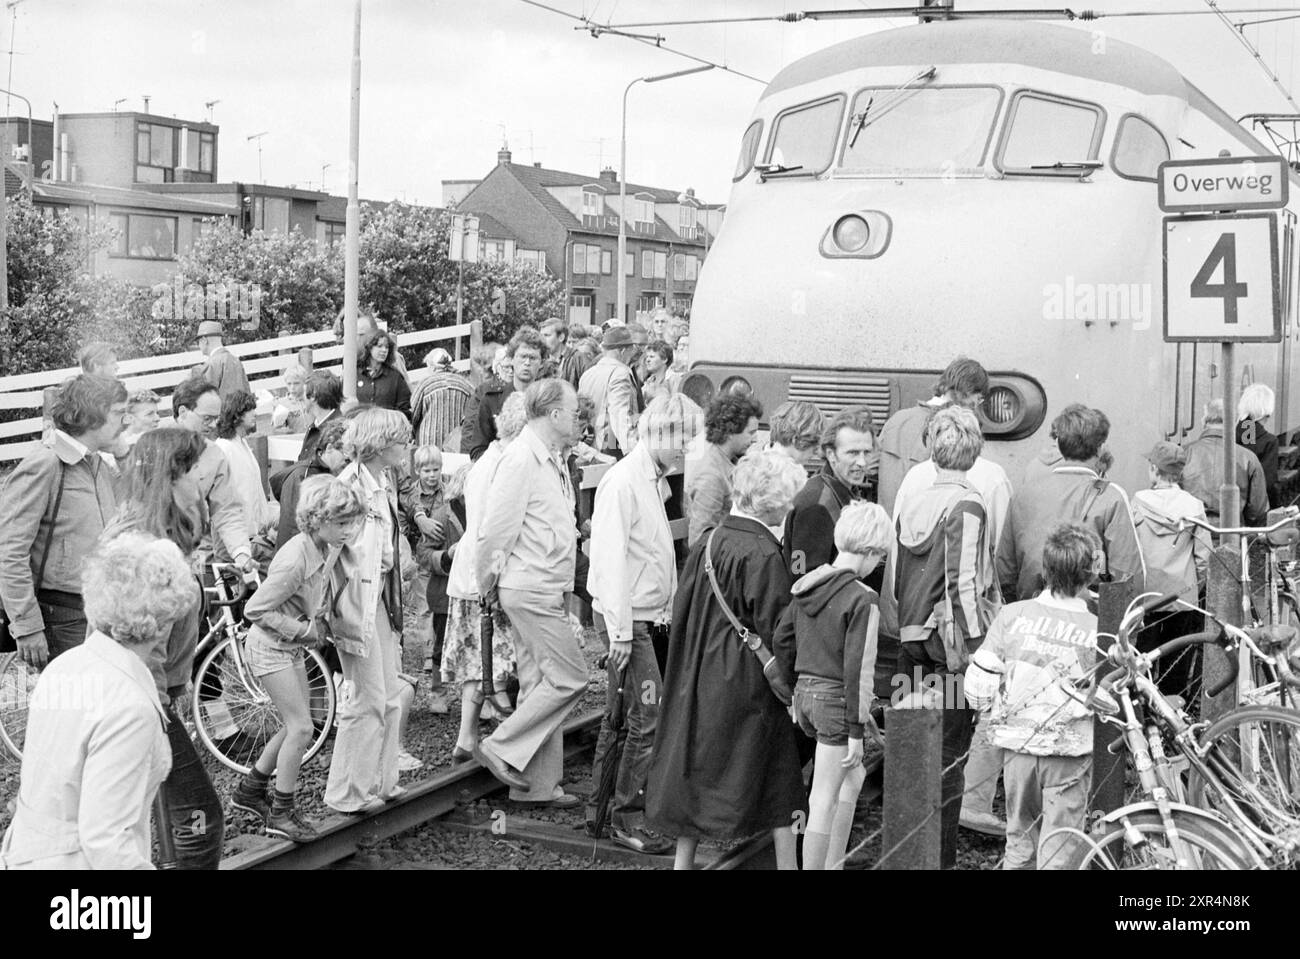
(832, 392)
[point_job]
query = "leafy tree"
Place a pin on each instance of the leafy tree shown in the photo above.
(285, 282)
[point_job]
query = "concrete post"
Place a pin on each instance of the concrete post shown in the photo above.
(1107, 792)
(913, 824)
(1223, 598)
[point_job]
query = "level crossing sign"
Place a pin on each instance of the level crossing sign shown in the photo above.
(1221, 278)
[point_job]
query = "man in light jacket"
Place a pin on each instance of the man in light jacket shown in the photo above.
(53, 507)
(525, 557)
(1203, 472)
(612, 389)
(632, 582)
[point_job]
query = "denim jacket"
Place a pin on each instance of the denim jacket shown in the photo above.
(287, 603)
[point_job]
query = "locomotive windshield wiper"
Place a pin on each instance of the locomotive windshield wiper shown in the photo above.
(862, 121)
(766, 170)
(1083, 166)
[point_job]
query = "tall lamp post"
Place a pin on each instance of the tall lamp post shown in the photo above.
(622, 184)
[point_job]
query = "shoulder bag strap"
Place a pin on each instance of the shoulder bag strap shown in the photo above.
(745, 634)
(49, 536)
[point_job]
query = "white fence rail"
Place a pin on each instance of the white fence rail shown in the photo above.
(264, 363)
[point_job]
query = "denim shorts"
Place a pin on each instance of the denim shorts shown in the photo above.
(266, 656)
(819, 710)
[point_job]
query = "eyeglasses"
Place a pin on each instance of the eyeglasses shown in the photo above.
(210, 419)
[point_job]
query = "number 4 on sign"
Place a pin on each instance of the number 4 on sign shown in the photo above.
(1230, 291)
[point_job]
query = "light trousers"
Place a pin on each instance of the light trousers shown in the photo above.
(552, 678)
(364, 765)
(1044, 794)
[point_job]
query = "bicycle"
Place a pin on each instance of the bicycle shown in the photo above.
(1234, 819)
(232, 714)
(17, 680)
(1265, 681)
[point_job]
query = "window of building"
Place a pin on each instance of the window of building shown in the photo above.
(579, 258)
(606, 262)
(629, 264)
(686, 222)
(692, 267)
(1139, 149)
(143, 237)
(271, 214)
(531, 259)
(647, 264)
(493, 250)
(588, 259)
(1045, 130)
(335, 233)
(647, 303)
(682, 305)
(803, 139)
(198, 227)
(661, 266)
(155, 153)
(643, 215)
(592, 203)
(207, 152)
(679, 266)
(927, 128)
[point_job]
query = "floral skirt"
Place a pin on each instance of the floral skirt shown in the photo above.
(462, 661)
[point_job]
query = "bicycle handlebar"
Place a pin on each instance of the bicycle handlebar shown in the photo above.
(237, 585)
(1293, 513)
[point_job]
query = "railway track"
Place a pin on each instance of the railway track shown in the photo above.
(443, 800)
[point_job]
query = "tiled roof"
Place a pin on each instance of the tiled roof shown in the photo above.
(494, 228)
(537, 179)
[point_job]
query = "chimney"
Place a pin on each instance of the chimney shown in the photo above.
(538, 164)
(146, 104)
(609, 175)
(690, 191)
(503, 155)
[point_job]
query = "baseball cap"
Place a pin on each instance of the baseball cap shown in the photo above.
(1167, 457)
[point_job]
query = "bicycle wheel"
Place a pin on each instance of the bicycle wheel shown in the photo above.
(1255, 751)
(1140, 842)
(235, 717)
(17, 680)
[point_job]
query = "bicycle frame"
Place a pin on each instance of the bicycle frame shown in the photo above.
(226, 626)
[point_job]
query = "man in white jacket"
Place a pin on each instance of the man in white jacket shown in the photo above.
(632, 582)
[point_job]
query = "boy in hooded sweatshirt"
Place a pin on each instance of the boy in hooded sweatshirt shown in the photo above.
(828, 635)
(1176, 558)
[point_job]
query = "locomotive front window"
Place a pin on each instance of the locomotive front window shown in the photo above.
(748, 150)
(803, 139)
(1139, 149)
(1045, 135)
(932, 129)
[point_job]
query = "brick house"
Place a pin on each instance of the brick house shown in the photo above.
(573, 220)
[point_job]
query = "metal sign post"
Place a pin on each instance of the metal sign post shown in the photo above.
(1221, 272)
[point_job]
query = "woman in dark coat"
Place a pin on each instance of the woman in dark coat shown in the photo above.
(379, 383)
(725, 764)
(1254, 408)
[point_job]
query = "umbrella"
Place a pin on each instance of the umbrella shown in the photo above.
(612, 759)
(162, 822)
(485, 633)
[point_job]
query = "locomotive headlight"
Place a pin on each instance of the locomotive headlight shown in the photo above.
(1002, 405)
(851, 233)
(737, 386)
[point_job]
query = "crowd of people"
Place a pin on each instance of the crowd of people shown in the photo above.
(817, 570)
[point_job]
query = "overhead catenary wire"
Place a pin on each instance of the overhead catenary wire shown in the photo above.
(599, 29)
(1251, 48)
(939, 13)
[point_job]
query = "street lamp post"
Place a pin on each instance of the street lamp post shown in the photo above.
(621, 270)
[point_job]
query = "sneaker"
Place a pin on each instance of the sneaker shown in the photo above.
(982, 822)
(407, 763)
(438, 702)
(290, 825)
(251, 801)
(643, 841)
